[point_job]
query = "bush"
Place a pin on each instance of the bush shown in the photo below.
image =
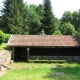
(57, 32)
(7, 37)
(68, 29)
(3, 37)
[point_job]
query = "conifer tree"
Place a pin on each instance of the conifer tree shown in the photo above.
(14, 17)
(48, 21)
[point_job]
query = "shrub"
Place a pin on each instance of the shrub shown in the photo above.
(57, 32)
(7, 37)
(3, 37)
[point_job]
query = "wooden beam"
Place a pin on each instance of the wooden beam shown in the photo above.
(13, 54)
(57, 53)
(27, 54)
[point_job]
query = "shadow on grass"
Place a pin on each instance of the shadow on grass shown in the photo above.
(64, 73)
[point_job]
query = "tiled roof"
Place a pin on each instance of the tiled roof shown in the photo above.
(44, 40)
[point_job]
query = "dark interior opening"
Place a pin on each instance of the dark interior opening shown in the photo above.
(20, 54)
(70, 51)
(55, 51)
(42, 51)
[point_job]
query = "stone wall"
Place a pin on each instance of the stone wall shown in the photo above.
(5, 57)
(69, 58)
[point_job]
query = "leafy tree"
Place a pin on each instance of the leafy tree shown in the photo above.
(57, 32)
(75, 19)
(66, 17)
(72, 18)
(2, 36)
(48, 20)
(34, 17)
(14, 17)
(67, 29)
(77, 26)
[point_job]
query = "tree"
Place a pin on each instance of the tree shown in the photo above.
(1, 22)
(78, 23)
(14, 17)
(66, 17)
(75, 19)
(48, 20)
(67, 29)
(34, 17)
(57, 32)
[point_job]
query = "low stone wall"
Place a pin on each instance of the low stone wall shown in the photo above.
(5, 57)
(69, 58)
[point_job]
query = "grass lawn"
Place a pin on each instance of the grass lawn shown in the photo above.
(44, 71)
(3, 46)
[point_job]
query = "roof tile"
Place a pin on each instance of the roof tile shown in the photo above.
(44, 40)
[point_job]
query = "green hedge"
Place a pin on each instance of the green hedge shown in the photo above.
(3, 37)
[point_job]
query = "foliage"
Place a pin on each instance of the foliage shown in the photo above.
(20, 18)
(67, 29)
(57, 32)
(3, 46)
(2, 36)
(66, 17)
(7, 37)
(14, 17)
(48, 19)
(73, 18)
(34, 17)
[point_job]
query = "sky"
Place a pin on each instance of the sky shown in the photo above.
(58, 6)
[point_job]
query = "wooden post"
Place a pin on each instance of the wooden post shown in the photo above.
(13, 54)
(27, 54)
(57, 53)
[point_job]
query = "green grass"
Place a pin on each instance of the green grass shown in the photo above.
(38, 71)
(47, 61)
(3, 46)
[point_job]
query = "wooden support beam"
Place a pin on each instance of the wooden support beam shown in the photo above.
(27, 54)
(57, 53)
(13, 54)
